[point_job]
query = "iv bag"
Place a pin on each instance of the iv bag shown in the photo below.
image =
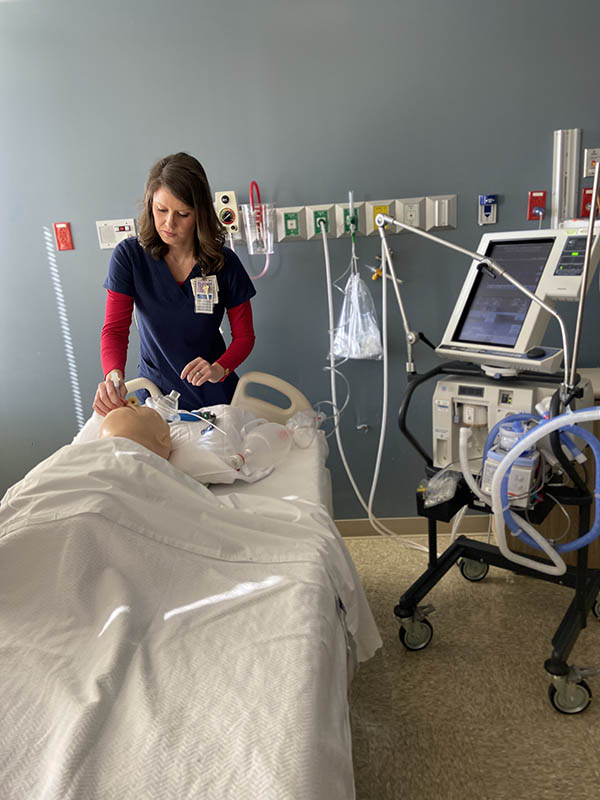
(357, 334)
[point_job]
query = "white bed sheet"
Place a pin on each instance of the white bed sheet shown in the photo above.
(159, 642)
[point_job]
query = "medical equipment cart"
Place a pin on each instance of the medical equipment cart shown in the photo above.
(569, 693)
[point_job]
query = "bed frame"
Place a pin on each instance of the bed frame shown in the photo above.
(262, 408)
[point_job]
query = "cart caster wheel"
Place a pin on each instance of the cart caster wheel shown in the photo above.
(596, 608)
(417, 636)
(473, 570)
(571, 698)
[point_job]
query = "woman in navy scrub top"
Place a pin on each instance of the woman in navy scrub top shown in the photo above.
(166, 272)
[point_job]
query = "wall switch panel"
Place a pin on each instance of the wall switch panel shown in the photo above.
(342, 219)
(410, 211)
(113, 231)
(374, 207)
(314, 214)
(291, 224)
(440, 212)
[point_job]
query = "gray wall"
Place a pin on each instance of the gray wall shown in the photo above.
(392, 99)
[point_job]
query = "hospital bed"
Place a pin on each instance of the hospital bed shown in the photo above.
(162, 639)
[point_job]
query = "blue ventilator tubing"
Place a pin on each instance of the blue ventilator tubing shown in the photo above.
(594, 531)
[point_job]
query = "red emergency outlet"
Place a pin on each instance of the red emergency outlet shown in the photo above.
(536, 205)
(586, 202)
(62, 234)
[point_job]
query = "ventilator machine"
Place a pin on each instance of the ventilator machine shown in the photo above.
(511, 426)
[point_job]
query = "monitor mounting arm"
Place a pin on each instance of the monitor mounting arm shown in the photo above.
(383, 219)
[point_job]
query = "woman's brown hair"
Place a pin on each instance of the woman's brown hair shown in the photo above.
(184, 176)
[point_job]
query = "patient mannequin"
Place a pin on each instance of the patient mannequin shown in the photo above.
(140, 424)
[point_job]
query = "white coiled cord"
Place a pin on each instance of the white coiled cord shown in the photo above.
(63, 321)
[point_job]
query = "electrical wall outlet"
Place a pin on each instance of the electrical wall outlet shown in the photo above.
(440, 212)
(410, 211)
(342, 219)
(62, 236)
(291, 223)
(585, 207)
(536, 205)
(314, 214)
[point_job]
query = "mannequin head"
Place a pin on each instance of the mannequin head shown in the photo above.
(140, 424)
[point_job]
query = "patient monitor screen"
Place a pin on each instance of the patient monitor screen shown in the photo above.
(495, 310)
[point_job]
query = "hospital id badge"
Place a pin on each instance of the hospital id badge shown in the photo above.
(203, 296)
(214, 287)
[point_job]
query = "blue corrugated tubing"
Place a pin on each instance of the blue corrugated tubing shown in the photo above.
(593, 532)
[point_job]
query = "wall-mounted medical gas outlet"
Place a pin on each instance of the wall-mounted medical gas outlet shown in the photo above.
(536, 205)
(410, 211)
(226, 208)
(372, 208)
(440, 212)
(297, 223)
(113, 231)
(342, 219)
(314, 215)
(291, 223)
(487, 210)
(591, 155)
(62, 236)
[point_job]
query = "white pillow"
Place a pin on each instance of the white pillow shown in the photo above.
(90, 431)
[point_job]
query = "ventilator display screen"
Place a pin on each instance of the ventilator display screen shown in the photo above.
(495, 310)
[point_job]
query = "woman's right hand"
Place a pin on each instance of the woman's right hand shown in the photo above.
(108, 396)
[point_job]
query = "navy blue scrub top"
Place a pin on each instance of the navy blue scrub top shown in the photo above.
(171, 333)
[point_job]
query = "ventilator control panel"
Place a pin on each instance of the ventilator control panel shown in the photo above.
(572, 257)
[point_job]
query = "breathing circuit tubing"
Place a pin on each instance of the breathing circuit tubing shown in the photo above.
(499, 493)
(375, 523)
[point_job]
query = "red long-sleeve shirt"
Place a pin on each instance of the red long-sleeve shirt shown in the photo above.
(117, 322)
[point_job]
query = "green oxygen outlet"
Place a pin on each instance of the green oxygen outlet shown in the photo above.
(321, 215)
(291, 223)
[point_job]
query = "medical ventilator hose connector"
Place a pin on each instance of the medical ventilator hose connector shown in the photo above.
(464, 435)
(501, 507)
(166, 405)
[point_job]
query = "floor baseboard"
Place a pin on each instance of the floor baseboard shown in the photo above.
(410, 526)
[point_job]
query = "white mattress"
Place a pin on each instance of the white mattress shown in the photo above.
(303, 475)
(157, 641)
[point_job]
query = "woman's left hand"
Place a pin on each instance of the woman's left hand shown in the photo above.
(199, 371)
